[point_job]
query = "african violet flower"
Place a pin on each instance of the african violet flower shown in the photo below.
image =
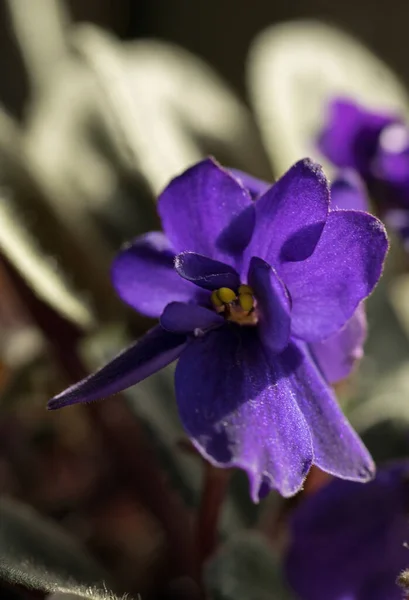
(244, 289)
(347, 540)
(376, 145)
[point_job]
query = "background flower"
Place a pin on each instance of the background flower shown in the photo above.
(376, 145)
(350, 541)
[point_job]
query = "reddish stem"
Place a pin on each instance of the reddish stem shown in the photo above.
(215, 485)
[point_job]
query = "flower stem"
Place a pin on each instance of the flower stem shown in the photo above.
(215, 485)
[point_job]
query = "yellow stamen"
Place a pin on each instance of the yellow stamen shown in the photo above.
(245, 289)
(226, 295)
(246, 301)
(216, 300)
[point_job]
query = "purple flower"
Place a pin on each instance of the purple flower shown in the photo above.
(376, 145)
(245, 290)
(347, 540)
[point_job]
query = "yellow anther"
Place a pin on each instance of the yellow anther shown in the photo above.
(216, 300)
(245, 289)
(246, 301)
(226, 295)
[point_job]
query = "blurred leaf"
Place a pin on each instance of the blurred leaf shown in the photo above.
(245, 567)
(295, 68)
(23, 250)
(399, 297)
(37, 553)
(387, 440)
(144, 79)
(40, 52)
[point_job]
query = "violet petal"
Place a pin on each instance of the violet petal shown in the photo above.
(290, 215)
(337, 355)
(198, 207)
(152, 352)
(327, 287)
(273, 305)
(180, 317)
(205, 272)
(238, 405)
(143, 275)
(338, 449)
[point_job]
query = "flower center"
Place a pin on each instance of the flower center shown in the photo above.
(238, 307)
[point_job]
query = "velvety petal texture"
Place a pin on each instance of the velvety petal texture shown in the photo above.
(200, 207)
(151, 353)
(143, 275)
(239, 407)
(337, 448)
(273, 305)
(348, 540)
(295, 209)
(205, 272)
(327, 287)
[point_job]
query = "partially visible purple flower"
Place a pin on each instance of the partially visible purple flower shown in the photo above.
(244, 290)
(348, 541)
(351, 135)
(376, 145)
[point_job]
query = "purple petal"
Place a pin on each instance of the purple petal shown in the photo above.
(200, 212)
(151, 353)
(337, 355)
(255, 186)
(327, 287)
(290, 215)
(237, 404)
(185, 318)
(348, 540)
(338, 450)
(143, 275)
(348, 192)
(273, 305)
(205, 272)
(351, 134)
